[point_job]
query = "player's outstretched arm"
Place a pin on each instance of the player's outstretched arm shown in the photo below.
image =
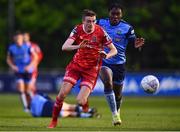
(112, 52)
(68, 45)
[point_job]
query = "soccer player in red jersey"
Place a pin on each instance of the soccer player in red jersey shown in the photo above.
(89, 40)
(36, 48)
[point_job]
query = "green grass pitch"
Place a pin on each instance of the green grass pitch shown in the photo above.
(138, 113)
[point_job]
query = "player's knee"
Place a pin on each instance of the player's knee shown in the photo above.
(107, 81)
(105, 71)
(106, 76)
(108, 84)
(21, 89)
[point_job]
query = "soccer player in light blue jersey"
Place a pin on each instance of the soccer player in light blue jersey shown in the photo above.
(113, 69)
(21, 58)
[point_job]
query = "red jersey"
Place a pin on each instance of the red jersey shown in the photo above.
(89, 57)
(37, 50)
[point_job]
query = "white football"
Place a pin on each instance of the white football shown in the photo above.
(150, 84)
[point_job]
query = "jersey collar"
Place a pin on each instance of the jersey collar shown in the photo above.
(85, 30)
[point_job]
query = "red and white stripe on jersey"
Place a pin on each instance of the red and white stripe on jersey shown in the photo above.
(108, 38)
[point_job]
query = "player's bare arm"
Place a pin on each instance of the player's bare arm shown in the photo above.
(112, 52)
(11, 64)
(39, 54)
(68, 45)
(33, 63)
(139, 42)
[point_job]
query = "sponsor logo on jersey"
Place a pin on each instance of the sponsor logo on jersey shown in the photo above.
(117, 39)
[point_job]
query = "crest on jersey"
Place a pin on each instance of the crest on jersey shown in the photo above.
(94, 39)
(118, 32)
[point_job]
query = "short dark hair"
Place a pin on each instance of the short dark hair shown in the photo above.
(18, 32)
(25, 32)
(115, 5)
(87, 12)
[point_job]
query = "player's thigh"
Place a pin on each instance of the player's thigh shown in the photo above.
(106, 74)
(89, 77)
(20, 85)
(20, 82)
(118, 74)
(32, 82)
(83, 95)
(29, 81)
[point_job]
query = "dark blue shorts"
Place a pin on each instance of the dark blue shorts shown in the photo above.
(47, 109)
(26, 77)
(118, 72)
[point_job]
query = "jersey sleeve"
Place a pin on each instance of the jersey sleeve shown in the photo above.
(131, 34)
(106, 38)
(73, 34)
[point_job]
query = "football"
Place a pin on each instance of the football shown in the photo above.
(150, 84)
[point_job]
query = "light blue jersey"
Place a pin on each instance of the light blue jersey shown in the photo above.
(21, 56)
(120, 35)
(37, 104)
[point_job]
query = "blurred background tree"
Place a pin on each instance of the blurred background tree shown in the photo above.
(51, 21)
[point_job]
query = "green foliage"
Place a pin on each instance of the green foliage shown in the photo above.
(51, 21)
(3, 32)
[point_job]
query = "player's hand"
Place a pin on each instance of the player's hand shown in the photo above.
(139, 42)
(84, 44)
(15, 68)
(103, 54)
(28, 68)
